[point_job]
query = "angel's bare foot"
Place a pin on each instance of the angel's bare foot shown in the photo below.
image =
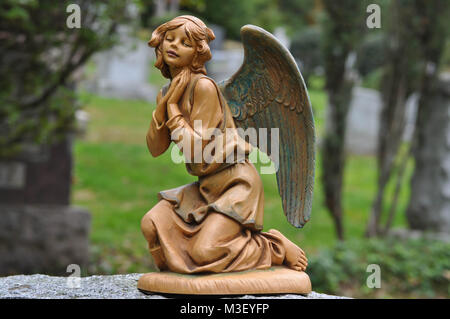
(295, 257)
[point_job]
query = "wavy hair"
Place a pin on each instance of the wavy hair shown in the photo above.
(196, 30)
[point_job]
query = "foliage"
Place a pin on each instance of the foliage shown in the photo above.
(306, 48)
(371, 54)
(233, 14)
(414, 268)
(156, 21)
(373, 79)
(39, 55)
(343, 29)
(298, 14)
(236, 13)
(446, 56)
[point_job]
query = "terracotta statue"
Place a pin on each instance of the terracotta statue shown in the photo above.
(214, 225)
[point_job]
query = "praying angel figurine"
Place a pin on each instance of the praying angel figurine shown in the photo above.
(214, 225)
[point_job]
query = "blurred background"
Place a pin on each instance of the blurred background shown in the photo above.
(76, 98)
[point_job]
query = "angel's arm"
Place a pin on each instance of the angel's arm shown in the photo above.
(206, 114)
(158, 138)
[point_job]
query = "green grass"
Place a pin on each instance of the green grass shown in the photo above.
(117, 180)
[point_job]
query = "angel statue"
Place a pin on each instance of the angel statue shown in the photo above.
(214, 225)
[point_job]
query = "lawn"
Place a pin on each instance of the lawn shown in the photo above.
(117, 179)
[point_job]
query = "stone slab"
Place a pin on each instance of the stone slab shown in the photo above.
(100, 287)
(42, 238)
(40, 175)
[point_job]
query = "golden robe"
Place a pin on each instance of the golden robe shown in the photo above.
(214, 224)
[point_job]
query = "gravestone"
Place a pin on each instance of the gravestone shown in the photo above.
(361, 136)
(280, 34)
(363, 122)
(39, 231)
(411, 113)
(224, 63)
(38, 176)
(123, 71)
(219, 33)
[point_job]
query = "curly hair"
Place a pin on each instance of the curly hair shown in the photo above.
(196, 30)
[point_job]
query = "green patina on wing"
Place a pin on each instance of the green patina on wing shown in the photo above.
(268, 91)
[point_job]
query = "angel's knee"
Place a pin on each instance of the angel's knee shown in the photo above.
(148, 227)
(204, 252)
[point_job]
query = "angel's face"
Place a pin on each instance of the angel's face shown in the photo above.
(177, 48)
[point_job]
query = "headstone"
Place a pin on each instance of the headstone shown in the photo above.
(43, 238)
(12, 175)
(411, 113)
(219, 32)
(363, 121)
(39, 231)
(280, 34)
(38, 176)
(224, 63)
(82, 121)
(123, 71)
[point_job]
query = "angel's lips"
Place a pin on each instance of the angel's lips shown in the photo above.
(172, 54)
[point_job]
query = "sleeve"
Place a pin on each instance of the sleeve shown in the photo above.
(206, 115)
(158, 138)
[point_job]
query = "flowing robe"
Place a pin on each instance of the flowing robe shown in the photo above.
(215, 223)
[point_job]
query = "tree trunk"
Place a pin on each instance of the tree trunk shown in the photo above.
(341, 33)
(333, 156)
(429, 207)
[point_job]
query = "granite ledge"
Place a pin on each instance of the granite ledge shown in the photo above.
(99, 287)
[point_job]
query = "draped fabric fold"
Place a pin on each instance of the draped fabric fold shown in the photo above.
(215, 223)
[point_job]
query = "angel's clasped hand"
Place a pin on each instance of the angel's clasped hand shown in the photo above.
(178, 86)
(176, 89)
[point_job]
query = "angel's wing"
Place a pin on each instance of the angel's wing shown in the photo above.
(268, 91)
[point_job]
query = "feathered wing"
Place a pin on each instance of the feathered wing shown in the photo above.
(268, 91)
